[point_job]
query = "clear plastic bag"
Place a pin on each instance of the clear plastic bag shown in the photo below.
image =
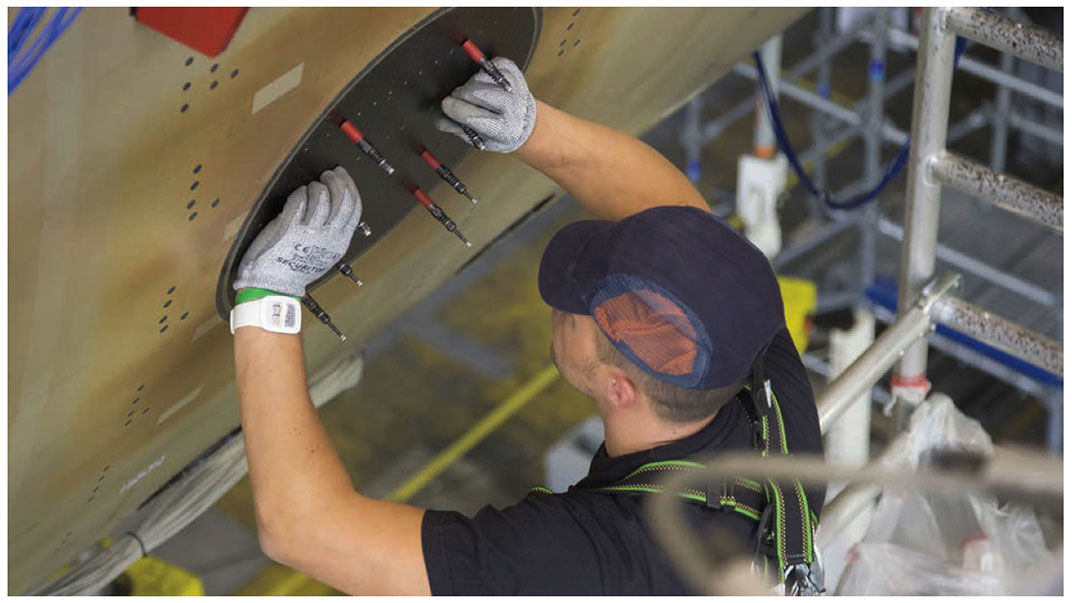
(943, 544)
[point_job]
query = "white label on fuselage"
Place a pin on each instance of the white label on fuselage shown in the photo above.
(176, 407)
(137, 478)
(277, 88)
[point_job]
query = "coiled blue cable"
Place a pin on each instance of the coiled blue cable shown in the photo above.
(775, 115)
(19, 63)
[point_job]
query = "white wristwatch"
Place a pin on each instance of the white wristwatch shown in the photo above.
(275, 313)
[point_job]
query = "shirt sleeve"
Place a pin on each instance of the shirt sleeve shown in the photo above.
(536, 547)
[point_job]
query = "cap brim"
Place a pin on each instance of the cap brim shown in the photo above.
(557, 283)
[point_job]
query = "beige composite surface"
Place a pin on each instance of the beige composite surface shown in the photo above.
(103, 407)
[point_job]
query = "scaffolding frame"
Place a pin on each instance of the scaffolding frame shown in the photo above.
(924, 301)
(931, 167)
(865, 118)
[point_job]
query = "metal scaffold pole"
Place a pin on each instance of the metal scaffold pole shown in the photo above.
(930, 118)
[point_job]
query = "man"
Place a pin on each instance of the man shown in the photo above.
(660, 313)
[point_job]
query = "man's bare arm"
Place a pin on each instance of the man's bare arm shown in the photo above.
(309, 516)
(611, 174)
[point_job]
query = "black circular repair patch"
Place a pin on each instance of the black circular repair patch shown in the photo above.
(394, 101)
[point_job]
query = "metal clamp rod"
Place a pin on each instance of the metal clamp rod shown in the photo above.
(1001, 333)
(1004, 191)
(909, 327)
(978, 68)
(1028, 42)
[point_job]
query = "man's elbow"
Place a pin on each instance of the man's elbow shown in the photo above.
(276, 538)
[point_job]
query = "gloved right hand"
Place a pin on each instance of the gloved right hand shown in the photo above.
(306, 239)
(503, 119)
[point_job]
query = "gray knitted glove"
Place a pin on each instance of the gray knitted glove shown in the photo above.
(306, 239)
(503, 119)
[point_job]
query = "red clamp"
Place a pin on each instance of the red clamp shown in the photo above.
(431, 160)
(351, 131)
(471, 49)
(423, 198)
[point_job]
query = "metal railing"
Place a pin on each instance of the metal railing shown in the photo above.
(931, 166)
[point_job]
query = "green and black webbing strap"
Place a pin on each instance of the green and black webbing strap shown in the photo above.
(744, 496)
(786, 521)
(792, 518)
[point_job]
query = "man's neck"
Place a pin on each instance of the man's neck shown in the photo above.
(626, 435)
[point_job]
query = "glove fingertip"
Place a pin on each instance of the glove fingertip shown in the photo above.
(445, 124)
(347, 179)
(449, 104)
(504, 62)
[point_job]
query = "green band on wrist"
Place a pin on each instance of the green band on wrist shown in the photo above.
(252, 293)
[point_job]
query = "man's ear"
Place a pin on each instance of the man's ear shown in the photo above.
(622, 391)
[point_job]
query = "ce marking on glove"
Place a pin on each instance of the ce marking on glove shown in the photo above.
(315, 251)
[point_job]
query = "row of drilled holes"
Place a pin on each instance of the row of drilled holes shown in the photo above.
(167, 304)
(96, 487)
(212, 86)
(130, 414)
(193, 187)
(562, 45)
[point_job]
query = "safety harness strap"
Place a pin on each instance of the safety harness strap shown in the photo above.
(792, 527)
(786, 523)
(742, 495)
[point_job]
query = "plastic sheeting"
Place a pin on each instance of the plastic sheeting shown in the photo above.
(943, 544)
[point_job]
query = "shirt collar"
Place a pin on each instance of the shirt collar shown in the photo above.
(714, 436)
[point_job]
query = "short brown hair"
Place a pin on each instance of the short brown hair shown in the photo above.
(672, 403)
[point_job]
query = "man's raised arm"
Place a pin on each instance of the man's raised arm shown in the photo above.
(611, 174)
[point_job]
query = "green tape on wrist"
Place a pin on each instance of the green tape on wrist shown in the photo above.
(252, 293)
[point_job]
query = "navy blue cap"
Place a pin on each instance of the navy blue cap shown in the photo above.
(675, 289)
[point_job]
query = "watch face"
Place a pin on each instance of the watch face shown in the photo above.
(274, 313)
(290, 319)
(281, 315)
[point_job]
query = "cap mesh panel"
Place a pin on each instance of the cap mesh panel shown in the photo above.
(655, 329)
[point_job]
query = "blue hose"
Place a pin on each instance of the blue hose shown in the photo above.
(775, 115)
(19, 63)
(25, 22)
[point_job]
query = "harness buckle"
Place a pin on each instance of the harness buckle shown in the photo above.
(714, 499)
(805, 579)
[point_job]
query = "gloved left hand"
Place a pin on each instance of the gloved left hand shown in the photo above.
(504, 120)
(306, 239)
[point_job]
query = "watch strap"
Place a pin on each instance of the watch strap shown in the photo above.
(252, 293)
(275, 313)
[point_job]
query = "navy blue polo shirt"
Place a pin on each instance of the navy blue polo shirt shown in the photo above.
(592, 543)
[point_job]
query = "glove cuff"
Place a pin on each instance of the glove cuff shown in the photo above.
(252, 293)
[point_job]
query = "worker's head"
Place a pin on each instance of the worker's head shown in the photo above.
(668, 307)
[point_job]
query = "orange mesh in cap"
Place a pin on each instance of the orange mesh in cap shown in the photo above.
(654, 328)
